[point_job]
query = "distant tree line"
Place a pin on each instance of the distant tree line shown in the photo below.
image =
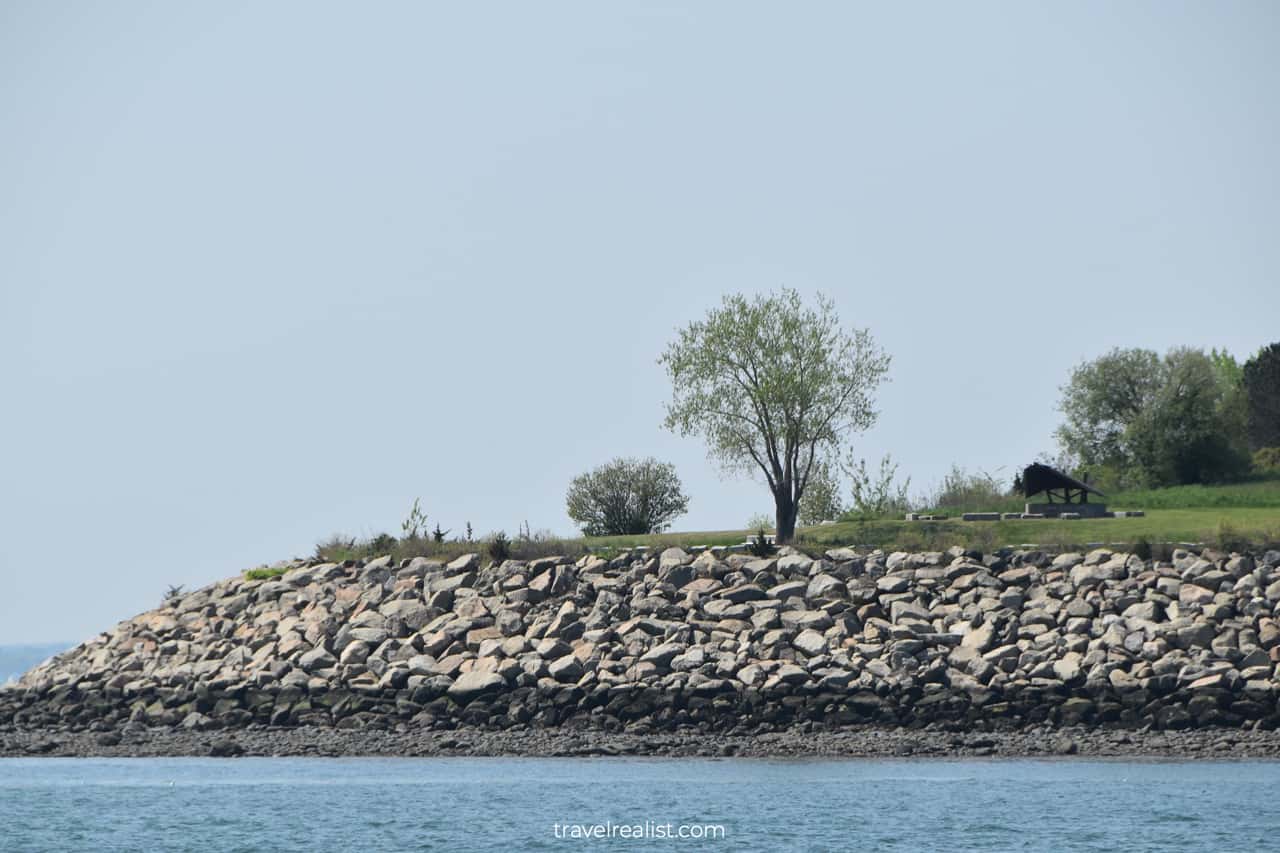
(1134, 418)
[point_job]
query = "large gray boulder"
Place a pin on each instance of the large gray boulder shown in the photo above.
(810, 642)
(673, 557)
(567, 668)
(469, 685)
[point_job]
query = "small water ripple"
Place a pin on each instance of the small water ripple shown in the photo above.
(506, 805)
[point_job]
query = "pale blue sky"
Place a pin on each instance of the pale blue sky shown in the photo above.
(270, 271)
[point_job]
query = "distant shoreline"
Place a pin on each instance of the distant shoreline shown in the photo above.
(870, 742)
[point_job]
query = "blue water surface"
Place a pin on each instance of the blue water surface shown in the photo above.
(501, 804)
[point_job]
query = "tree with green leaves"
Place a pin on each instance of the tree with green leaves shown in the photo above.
(1152, 421)
(1103, 401)
(773, 386)
(626, 496)
(1261, 381)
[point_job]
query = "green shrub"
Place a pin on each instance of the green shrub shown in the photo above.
(760, 545)
(1230, 538)
(626, 496)
(544, 543)
(415, 524)
(338, 548)
(1267, 460)
(877, 495)
(499, 547)
(264, 573)
(962, 492)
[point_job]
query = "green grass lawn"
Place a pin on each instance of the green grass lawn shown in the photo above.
(1217, 515)
(1231, 517)
(1252, 494)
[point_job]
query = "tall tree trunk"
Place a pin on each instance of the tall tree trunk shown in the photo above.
(785, 517)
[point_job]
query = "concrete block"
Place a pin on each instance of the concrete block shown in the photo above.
(1082, 510)
(981, 516)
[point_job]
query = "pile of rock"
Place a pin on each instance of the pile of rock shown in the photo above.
(724, 642)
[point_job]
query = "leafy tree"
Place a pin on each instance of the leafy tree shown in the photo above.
(774, 386)
(1233, 404)
(626, 496)
(1193, 432)
(1261, 381)
(1154, 421)
(1103, 400)
(821, 500)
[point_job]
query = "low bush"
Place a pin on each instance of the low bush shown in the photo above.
(760, 546)
(529, 545)
(1230, 538)
(1267, 461)
(626, 496)
(879, 494)
(264, 573)
(499, 547)
(961, 491)
(338, 548)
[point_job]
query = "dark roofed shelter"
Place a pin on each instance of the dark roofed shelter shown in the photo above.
(1037, 478)
(1064, 493)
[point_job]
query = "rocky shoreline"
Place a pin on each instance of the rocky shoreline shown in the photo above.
(851, 743)
(841, 653)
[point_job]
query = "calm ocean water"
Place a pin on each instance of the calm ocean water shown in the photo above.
(509, 805)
